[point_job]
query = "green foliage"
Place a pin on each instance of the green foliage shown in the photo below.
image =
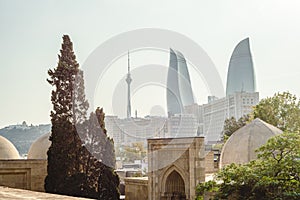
(281, 161)
(209, 186)
(108, 184)
(282, 110)
(96, 140)
(274, 175)
(134, 152)
(77, 166)
(231, 125)
(64, 152)
(100, 160)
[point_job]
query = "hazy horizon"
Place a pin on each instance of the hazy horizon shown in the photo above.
(31, 37)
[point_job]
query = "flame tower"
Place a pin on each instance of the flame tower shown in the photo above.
(241, 76)
(179, 89)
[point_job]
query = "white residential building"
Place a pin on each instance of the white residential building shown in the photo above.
(211, 116)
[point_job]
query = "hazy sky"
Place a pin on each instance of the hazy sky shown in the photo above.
(31, 34)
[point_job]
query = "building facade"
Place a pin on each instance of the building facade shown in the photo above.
(181, 125)
(211, 116)
(130, 130)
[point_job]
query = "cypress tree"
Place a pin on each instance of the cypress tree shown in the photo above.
(63, 154)
(102, 155)
(77, 165)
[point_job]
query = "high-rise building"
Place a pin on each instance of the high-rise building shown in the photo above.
(179, 89)
(185, 117)
(241, 76)
(174, 104)
(239, 100)
(130, 130)
(184, 81)
(196, 111)
(179, 94)
(216, 112)
(181, 125)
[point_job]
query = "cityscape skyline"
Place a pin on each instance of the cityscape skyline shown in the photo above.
(147, 100)
(184, 116)
(29, 48)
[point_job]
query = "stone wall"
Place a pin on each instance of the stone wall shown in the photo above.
(136, 188)
(209, 163)
(19, 194)
(208, 195)
(182, 157)
(23, 174)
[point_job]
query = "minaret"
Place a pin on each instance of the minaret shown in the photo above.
(128, 81)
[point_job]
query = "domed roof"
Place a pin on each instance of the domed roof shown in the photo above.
(7, 149)
(241, 145)
(39, 148)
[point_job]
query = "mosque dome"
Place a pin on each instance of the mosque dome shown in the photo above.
(39, 148)
(8, 150)
(241, 145)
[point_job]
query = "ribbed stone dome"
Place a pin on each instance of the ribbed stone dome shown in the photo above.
(8, 150)
(39, 148)
(241, 145)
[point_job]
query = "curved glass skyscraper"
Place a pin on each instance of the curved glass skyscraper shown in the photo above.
(240, 76)
(179, 90)
(185, 88)
(174, 103)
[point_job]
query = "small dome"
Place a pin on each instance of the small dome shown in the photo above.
(241, 145)
(7, 150)
(39, 148)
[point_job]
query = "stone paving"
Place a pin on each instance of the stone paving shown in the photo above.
(18, 194)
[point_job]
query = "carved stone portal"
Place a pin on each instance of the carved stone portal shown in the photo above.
(176, 166)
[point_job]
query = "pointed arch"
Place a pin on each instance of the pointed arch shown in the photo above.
(174, 181)
(174, 184)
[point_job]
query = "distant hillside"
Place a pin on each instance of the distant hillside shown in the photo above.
(22, 136)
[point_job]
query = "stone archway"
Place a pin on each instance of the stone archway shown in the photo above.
(176, 166)
(174, 188)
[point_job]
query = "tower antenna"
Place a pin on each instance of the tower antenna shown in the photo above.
(128, 81)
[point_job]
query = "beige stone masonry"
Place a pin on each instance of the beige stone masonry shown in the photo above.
(23, 174)
(176, 166)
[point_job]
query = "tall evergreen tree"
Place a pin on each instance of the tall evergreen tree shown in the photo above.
(79, 145)
(63, 154)
(101, 148)
(108, 158)
(108, 182)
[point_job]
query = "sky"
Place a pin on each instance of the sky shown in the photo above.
(31, 34)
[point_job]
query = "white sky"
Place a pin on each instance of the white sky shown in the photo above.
(31, 31)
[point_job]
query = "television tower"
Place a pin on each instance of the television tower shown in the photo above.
(128, 81)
